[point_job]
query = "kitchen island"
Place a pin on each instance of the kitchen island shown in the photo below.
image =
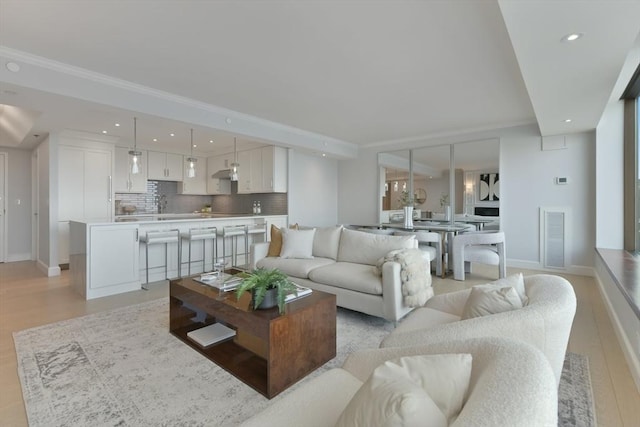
(108, 258)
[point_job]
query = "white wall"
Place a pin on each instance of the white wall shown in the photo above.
(526, 183)
(313, 188)
(609, 177)
(18, 204)
(47, 153)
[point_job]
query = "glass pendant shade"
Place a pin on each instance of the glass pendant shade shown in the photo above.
(191, 170)
(135, 154)
(395, 185)
(233, 172)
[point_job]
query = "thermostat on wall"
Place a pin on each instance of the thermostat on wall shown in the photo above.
(561, 180)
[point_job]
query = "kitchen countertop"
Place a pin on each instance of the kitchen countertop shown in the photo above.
(181, 216)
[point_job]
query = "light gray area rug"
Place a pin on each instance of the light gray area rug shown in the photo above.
(123, 368)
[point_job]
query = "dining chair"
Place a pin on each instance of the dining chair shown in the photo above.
(430, 243)
(479, 247)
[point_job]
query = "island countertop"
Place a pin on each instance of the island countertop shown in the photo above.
(144, 218)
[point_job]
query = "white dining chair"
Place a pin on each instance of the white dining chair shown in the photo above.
(430, 243)
(479, 247)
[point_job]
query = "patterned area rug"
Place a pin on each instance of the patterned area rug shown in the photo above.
(123, 368)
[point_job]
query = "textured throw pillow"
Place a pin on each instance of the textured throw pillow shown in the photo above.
(515, 281)
(297, 243)
(275, 246)
(426, 390)
(486, 300)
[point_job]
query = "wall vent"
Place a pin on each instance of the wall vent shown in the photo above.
(554, 237)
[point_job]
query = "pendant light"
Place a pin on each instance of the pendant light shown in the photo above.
(191, 170)
(233, 173)
(135, 154)
(395, 183)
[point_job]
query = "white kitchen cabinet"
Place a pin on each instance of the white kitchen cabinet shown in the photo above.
(274, 169)
(105, 258)
(198, 184)
(244, 172)
(164, 166)
(123, 180)
(216, 164)
(114, 257)
(85, 190)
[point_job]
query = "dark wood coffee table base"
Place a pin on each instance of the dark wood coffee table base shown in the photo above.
(270, 352)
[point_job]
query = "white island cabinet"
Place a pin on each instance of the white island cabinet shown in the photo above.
(108, 258)
(104, 258)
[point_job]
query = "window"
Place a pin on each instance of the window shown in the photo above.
(632, 163)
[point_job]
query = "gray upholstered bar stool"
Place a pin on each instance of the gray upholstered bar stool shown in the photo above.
(164, 237)
(202, 235)
(232, 232)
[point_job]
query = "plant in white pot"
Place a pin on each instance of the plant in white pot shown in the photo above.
(268, 288)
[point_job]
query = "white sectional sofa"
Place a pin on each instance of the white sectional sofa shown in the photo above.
(511, 384)
(343, 264)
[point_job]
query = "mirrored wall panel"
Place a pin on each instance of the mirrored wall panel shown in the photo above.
(445, 183)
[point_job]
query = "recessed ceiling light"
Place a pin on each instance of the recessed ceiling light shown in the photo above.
(324, 155)
(13, 67)
(567, 120)
(104, 131)
(572, 37)
(228, 120)
(211, 141)
(195, 146)
(155, 139)
(117, 125)
(172, 134)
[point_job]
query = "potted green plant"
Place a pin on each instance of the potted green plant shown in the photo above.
(268, 288)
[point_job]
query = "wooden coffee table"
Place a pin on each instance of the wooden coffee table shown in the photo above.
(269, 352)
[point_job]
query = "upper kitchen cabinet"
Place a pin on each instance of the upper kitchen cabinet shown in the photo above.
(274, 169)
(218, 181)
(123, 180)
(263, 170)
(198, 184)
(164, 166)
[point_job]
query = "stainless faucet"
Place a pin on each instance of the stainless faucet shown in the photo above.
(162, 203)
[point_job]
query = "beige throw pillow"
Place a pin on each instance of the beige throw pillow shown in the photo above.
(486, 300)
(297, 243)
(427, 390)
(515, 281)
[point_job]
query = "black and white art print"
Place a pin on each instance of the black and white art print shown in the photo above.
(489, 188)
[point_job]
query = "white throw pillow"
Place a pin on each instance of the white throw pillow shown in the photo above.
(486, 300)
(297, 243)
(426, 390)
(515, 281)
(326, 242)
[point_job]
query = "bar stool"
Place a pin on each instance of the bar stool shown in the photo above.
(233, 232)
(254, 230)
(202, 234)
(161, 237)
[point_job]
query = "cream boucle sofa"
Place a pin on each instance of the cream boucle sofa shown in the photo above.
(343, 264)
(545, 321)
(511, 385)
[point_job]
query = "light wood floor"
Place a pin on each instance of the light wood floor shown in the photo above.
(28, 299)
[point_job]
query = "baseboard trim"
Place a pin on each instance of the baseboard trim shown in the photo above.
(49, 271)
(623, 339)
(578, 270)
(19, 257)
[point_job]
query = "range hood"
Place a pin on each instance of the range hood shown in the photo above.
(222, 174)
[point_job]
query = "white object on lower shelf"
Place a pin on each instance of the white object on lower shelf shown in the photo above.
(302, 292)
(211, 334)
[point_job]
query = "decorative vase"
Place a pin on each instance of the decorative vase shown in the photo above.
(270, 299)
(408, 217)
(447, 213)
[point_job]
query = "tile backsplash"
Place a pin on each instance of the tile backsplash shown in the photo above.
(147, 203)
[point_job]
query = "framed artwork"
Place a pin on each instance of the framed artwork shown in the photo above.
(489, 187)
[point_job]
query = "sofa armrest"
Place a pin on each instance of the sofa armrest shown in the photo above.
(393, 307)
(450, 302)
(257, 251)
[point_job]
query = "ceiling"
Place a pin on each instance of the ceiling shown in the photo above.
(323, 76)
